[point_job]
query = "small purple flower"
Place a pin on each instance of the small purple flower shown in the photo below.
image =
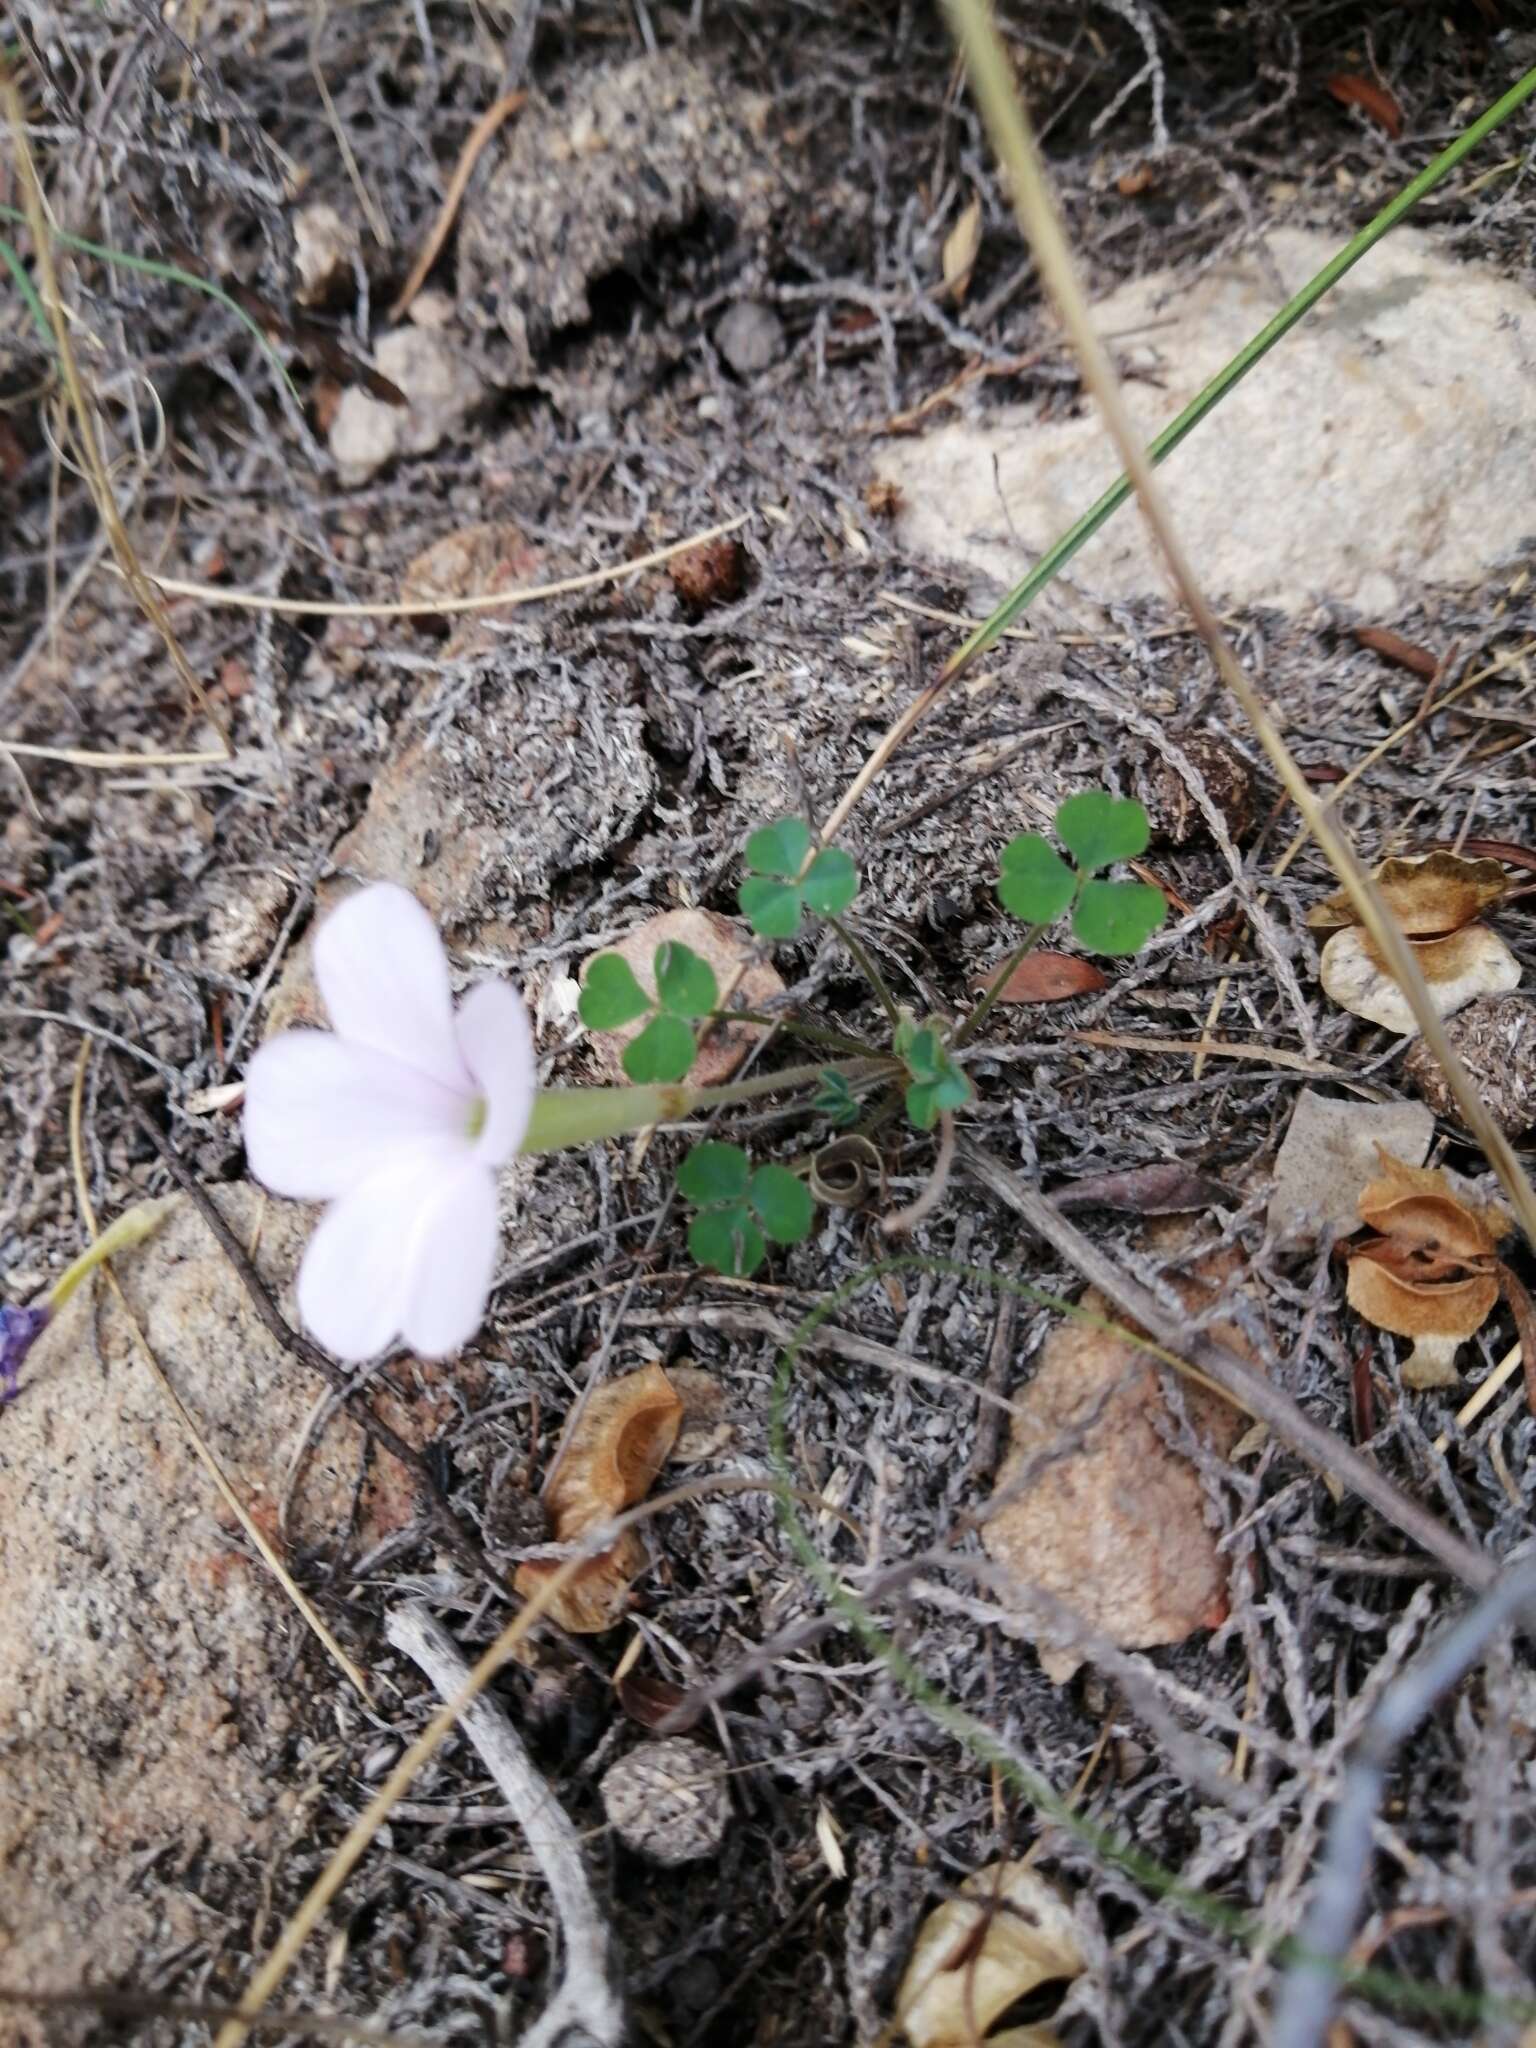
(19, 1330)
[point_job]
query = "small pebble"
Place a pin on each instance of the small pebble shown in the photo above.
(710, 572)
(750, 337)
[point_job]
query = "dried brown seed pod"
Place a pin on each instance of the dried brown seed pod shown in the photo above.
(1175, 815)
(1429, 894)
(1495, 1038)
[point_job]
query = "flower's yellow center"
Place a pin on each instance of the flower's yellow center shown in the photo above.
(477, 1116)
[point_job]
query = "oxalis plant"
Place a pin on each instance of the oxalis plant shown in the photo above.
(400, 1116)
(917, 1072)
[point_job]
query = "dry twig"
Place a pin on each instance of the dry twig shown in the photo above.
(1312, 1982)
(469, 156)
(588, 1998)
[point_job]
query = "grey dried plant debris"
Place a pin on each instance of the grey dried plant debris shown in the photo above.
(667, 1801)
(244, 913)
(548, 778)
(527, 776)
(1495, 1039)
(626, 154)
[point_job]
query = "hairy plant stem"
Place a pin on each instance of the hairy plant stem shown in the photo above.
(863, 960)
(579, 1116)
(813, 1034)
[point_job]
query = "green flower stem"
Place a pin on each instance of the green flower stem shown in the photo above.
(565, 1117)
(131, 1228)
(813, 1034)
(973, 1023)
(1056, 558)
(866, 966)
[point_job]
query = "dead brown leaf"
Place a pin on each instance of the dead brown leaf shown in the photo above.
(1384, 1291)
(653, 1703)
(1008, 1931)
(610, 1463)
(962, 245)
(1510, 851)
(1418, 1206)
(1372, 99)
(1046, 978)
(1114, 1526)
(1166, 1189)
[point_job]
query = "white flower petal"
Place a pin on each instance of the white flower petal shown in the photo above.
(384, 976)
(410, 1251)
(322, 1113)
(355, 1278)
(453, 1262)
(496, 1041)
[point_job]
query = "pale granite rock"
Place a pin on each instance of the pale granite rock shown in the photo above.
(1389, 441)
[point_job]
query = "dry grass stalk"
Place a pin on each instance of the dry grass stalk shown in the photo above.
(1013, 139)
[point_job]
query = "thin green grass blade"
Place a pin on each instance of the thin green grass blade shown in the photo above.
(24, 284)
(151, 266)
(1056, 558)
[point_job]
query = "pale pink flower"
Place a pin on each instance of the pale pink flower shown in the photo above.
(399, 1119)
